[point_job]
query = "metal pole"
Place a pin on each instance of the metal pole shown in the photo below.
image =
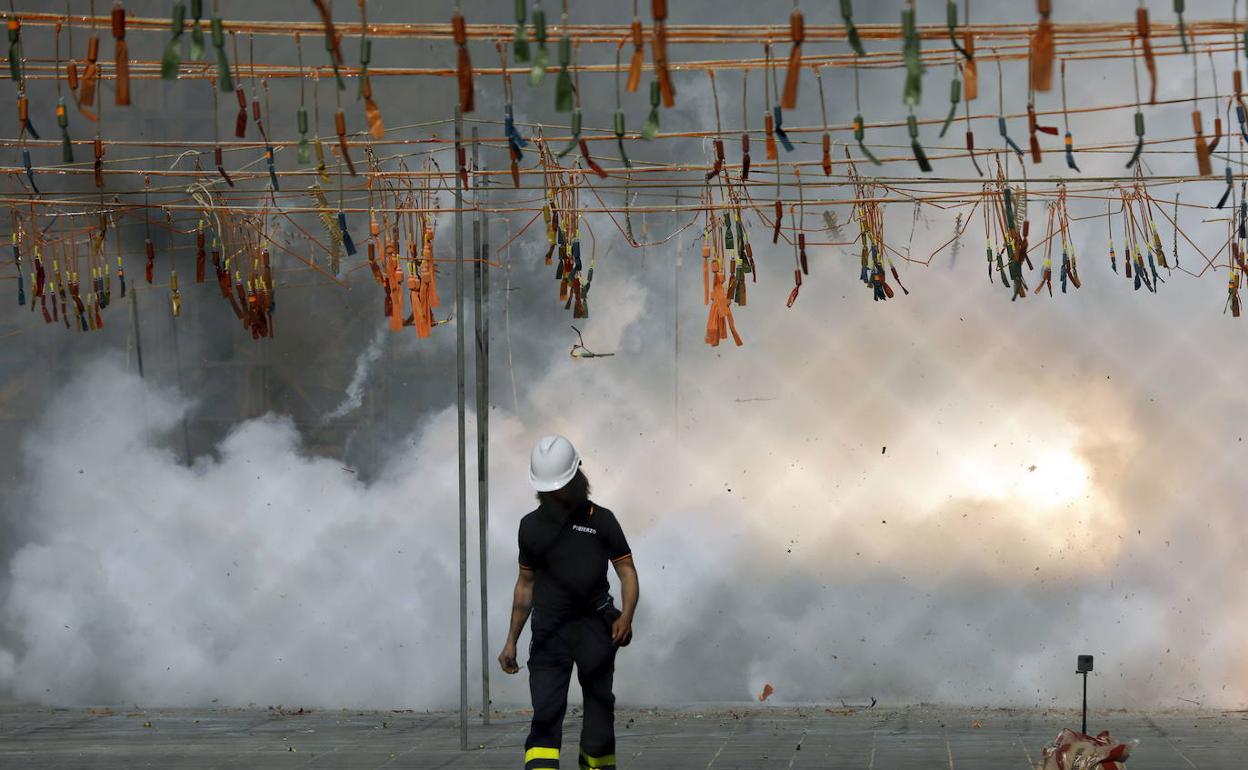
(463, 465)
(1085, 702)
(676, 338)
(134, 327)
(481, 233)
(177, 363)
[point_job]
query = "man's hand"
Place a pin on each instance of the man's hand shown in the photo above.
(521, 604)
(507, 659)
(622, 630)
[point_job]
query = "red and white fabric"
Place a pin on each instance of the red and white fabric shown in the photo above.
(1072, 750)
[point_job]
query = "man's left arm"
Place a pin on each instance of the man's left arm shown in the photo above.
(630, 590)
(622, 557)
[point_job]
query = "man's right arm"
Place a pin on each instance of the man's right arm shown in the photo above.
(521, 606)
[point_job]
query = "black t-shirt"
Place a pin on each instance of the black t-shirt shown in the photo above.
(569, 553)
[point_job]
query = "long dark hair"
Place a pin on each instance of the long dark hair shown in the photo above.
(569, 497)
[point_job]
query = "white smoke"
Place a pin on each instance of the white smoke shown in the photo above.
(354, 397)
(258, 574)
(945, 498)
(837, 541)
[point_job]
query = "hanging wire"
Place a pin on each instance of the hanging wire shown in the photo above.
(1139, 114)
(1069, 139)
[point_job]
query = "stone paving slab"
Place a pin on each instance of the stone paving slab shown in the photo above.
(920, 737)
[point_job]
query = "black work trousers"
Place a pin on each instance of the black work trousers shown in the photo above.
(557, 644)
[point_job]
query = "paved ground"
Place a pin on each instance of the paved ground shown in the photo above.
(902, 738)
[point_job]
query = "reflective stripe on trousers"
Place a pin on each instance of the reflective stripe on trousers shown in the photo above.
(606, 762)
(541, 757)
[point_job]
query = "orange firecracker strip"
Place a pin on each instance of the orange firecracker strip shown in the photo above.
(463, 67)
(639, 57)
(122, 93)
(797, 33)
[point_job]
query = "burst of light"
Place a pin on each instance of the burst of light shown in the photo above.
(1051, 478)
(1056, 478)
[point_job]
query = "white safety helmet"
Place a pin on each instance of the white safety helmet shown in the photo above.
(553, 463)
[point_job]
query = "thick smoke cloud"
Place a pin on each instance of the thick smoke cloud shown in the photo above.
(766, 555)
(944, 498)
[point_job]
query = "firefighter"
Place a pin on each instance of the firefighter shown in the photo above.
(564, 548)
